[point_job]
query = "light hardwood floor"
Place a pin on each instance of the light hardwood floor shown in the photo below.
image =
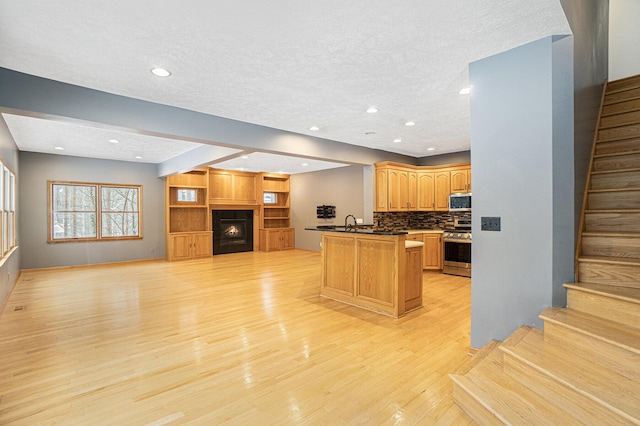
(237, 339)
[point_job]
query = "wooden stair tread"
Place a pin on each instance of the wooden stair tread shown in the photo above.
(610, 234)
(505, 398)
(629, 294)
(477, 357)
(610, 260)
(629, 189)
(607, 331)
(613, 171)
(616, 154)
(597, 211)
(578, 374)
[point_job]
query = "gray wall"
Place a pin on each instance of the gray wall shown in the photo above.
(443, 159)
(521, 116)
(37, 168)
(10, 267)
(342, 187)
(589, 23)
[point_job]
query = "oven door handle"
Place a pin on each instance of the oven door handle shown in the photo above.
(447, 240)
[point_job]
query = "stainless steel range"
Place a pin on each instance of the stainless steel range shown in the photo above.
(457, 248)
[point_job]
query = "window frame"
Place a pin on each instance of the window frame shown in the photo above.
(8, 237)
(98, 212)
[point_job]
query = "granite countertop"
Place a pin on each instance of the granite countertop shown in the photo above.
(361, 229)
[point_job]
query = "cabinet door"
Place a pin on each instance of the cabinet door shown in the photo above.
(220, 186)
(202, 244)
(443, 189)
(382, 194)
(432, 251)
(244, 188)
(412, 196)
(288, 239)
(426, 190)
(273, 240)
(394, 190)
(459, 181)
(180, 247)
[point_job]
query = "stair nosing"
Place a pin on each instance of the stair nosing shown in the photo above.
(616, 154)
(616, 139)
(613, 171)
(600, 211)
(610, 234)
(610, 260)
(607, 103)
(625, 89)
(600, 191)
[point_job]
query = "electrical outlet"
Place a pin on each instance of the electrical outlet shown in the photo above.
(489, 223)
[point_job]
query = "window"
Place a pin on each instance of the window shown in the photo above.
(270, 198)
(93, 211)
(7, 209)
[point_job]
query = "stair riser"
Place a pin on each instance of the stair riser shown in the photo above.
(615, 358)
(618, 162)
(474, 409)
(616, 180)
(604, 273)
(623, 83)
(612, 222)
(614, 200)
(622, 119)
(577, 405)
(615, 147)
(613, 98)
(622, 107)
(616, 133)
(611, 246)
(620, 311)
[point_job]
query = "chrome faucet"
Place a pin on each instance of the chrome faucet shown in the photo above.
(348, 226)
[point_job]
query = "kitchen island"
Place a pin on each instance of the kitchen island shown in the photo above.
(376, 270)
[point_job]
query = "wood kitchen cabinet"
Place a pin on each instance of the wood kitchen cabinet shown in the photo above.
(402, 187)
(232, 187)
(442, 190)
(401, 192)
(277, 239)
(432, 251)
(426, 190)
(461, 180)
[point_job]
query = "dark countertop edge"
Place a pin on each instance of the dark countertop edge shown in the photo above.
(357, 231)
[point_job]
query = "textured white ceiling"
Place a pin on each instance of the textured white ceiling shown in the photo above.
(287, 64)
(263, 161)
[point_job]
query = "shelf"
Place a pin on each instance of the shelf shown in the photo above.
(187, 206)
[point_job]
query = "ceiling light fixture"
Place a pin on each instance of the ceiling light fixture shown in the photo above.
(314, 128)
(114, 141)
(59, 148)
(370, 133)
(410, 123)
(305, 164)
(372, 110)
(160, 72)
(138, 157)
(397, 140)
(430, 149)
(244, 157)
(465, 90)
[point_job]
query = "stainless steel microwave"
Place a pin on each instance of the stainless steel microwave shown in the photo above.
(460, 202)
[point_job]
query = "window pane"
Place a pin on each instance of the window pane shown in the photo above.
(74, 198)
(74, 225)
(119, 224)
(119, 199)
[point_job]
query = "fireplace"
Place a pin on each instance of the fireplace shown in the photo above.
(232, 231)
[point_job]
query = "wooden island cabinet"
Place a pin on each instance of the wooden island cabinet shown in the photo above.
(375, 272)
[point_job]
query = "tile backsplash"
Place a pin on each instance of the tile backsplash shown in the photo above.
(416, 220)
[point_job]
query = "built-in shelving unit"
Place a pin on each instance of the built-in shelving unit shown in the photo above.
(275, 228)
(188, 222)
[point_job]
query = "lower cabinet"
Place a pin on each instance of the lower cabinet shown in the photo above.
(432, 251)
(277, 239)
(190, 245)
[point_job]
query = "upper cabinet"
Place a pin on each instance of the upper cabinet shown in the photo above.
(401, 187)
(461, 180)
(231, 187)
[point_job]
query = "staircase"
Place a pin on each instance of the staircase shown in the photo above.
(584, 368)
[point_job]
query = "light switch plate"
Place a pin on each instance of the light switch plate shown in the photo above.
(489, 223)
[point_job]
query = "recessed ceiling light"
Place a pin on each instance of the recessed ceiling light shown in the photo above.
(59, 148)
(314, 128)
(465, 90)
(430, 149)
(114, 141)
(305, 164)
(138, 157)
(244, 157)
(410, 123)
(161, 72)
(240, 168)
(397, 140)
(372, 110)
